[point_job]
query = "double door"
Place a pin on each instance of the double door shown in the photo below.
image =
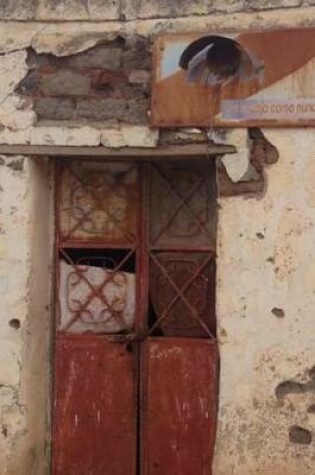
(136, 364)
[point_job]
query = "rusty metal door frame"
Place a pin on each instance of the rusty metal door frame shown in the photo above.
(145, 251)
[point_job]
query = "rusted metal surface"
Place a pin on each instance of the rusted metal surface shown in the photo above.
(181, 243)
(99, 203)
(135, 259)
(94, 411)
(96, 295)
(262, 78)
(182, 205)
(182, 292)
(180, 411)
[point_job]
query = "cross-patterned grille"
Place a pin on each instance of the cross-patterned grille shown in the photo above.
(96, 294)
(182, 206)
(182, 241)
(182, 287)
(136, 248)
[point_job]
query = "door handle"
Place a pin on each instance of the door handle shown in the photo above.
(133, 338)
(127, 340)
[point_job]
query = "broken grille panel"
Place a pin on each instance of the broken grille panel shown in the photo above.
(98, 202)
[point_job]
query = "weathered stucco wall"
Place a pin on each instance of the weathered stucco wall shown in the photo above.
(265, 293)
(25, 279)
(265, 310)
(129, 10)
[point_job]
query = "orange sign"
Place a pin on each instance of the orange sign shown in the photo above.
(256, 78)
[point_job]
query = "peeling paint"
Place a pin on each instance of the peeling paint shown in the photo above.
(245, 174)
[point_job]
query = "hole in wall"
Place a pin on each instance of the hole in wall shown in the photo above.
(278, 312)
(260, 235)
(288, 387)
(15, 323)
(312, 372)
(299, 435)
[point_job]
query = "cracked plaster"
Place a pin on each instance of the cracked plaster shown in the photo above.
(24, 257)
(264, 261)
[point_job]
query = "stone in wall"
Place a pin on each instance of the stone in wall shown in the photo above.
(54, 108)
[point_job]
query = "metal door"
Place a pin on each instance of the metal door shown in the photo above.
(135, 381)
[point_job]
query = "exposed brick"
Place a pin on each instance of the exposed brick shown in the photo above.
(98, 57)
(109, 82)
(117, 85)
(54, 108)
(65, 83)
(138, 53)
(102, 79)
(35, 60)
(101, 109)
(139, 77)
(29, 85)
(137, 112)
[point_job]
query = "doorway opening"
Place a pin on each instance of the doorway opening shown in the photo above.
(136, 360)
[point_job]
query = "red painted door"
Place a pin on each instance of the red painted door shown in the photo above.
(179, 423)
(135, 382)
(95, 430)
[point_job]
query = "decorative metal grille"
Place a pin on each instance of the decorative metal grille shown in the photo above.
(96, 295)
(99, 204)
(169, 236)
(182, 287)
(182, 206)
(182, 225)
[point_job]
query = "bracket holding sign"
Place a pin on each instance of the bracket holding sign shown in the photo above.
(246, 79)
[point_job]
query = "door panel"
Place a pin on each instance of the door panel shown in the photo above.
(180, 410)
(95, 408)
